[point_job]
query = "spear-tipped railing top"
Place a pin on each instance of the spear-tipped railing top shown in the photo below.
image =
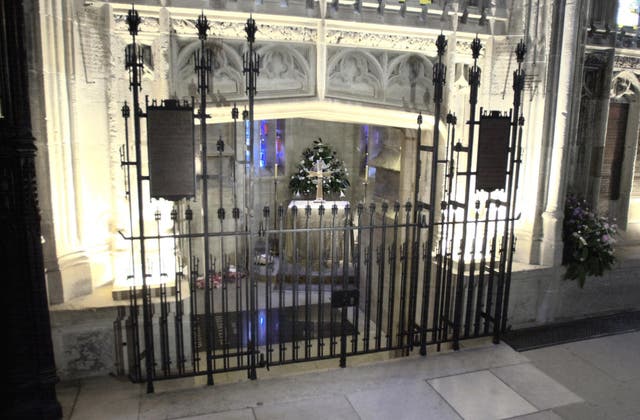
(476, 46)
(251, 29)
(203, 26)
(133, 21)
(521, 51)
(441, 44)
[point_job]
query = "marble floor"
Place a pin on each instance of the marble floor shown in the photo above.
(591, 379)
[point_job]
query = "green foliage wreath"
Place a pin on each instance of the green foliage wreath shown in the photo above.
(336, 182)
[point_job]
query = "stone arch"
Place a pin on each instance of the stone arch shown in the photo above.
(225, 82)
(355, 74)
(409, 82)
(284, 71)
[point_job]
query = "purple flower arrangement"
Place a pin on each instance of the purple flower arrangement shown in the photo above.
(588, 241)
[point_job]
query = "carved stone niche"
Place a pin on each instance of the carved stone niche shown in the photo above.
(226, 82)
(354, 74)
(285, 71)
(595, 68)
(397, 79)
(409, 83)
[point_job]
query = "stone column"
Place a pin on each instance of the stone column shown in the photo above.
(30, 375)
(563, 128)
(69, 275)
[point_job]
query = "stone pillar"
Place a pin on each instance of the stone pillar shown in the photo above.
(567, 50)
(31, 373)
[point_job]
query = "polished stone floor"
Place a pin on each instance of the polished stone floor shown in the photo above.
(591, 379)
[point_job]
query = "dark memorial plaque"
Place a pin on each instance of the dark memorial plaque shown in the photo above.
(171, 151)
(493, 151)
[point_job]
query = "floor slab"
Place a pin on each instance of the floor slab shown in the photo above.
(330, 407)
(244, 414)
(407, 401)
(618, 356)
(535, 386)
(540, 415)
(481, 395)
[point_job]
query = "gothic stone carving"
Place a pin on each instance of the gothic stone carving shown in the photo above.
(148, 24)
(625, 87)
(384, 41)
(398, 79)
(595, 65)
(626, 62)
(235, 30)
(355, 74)
(285, 70)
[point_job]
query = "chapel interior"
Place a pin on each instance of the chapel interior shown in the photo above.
(175, 183)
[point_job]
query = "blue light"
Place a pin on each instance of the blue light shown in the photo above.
(261, 320)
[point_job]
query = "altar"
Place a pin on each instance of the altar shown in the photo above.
(318, 249)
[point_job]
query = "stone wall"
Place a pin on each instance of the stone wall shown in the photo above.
(542, 295)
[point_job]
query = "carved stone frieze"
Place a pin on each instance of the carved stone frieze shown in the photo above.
(384, 41)
(626, 62)
(235, 30)
(391, 78)
(285, 71)
(147, 25)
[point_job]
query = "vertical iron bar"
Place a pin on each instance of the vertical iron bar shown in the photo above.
(203, 68)
(446, 315)
(307, 287)
(164, 310)
(393, 251)
(474, 83)
(134, 64)
(413, 289)
(266, 212)
(439, 80)
(334, 257)
(357, 258)
(444, 230)
(281, 297)
(483, 263)
(518, 87)
(381, 250)
(178, 298)
(320, 350)
(435, 334)
(296, 258)
(251, 69)
(405, 261)
(193, 275)
(472, 269)
(367, 307)
(492, 267)
(345, 280)
(133, 298)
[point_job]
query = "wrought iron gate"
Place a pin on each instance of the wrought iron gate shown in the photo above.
(302, 284)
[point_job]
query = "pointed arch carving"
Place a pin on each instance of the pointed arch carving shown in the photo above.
(226, 81)
(286, 71)
(355, 74)
(409, 82)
